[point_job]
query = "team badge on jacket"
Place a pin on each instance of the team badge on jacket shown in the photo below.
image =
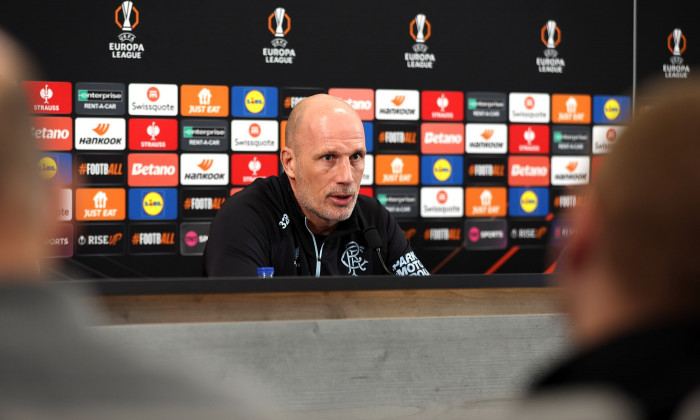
(352, 258)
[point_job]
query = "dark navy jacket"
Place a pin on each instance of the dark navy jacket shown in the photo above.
(263, 226)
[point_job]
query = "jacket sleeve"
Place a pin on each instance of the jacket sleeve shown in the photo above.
(401, 259)
(238, 242)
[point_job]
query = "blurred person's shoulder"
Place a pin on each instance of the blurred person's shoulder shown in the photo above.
(655, 369)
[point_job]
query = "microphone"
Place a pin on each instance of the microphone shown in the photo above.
(375, 243)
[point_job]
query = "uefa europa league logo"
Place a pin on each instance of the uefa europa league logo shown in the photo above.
(679, 45)
(279, 31)
(552, 39)
(127, 9)
(422, 32)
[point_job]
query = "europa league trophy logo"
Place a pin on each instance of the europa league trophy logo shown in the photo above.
(280, 16)
(127, 9)
(422, 32)
(553, 38)
(679, 44)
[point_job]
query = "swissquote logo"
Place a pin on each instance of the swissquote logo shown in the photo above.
(100, 133)
(550, 36)
(677, 44)
(393, 104)
(127, 17)
(368, 174)
(442, 201)
(279, 24)
(204, 169)
(153, 99)
(529, 107)
(254, 135)
(420, 30)
(604, 137)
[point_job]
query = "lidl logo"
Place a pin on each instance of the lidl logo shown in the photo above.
(56, 167)
(611, 109)
(528, 202)
(254, 101)
(442, 170)
(152, 203)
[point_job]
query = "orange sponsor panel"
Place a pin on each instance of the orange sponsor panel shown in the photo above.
(92, 204)
(204, 101)
(485, 202)
(283, 127)
(571, 109)
(396, 170)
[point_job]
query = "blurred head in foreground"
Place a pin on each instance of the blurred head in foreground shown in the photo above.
(24, 215)
(633, 261)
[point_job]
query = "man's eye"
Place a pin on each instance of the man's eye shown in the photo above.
(356, 156)
(327, 158)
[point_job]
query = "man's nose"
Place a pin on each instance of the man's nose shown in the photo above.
(344, 174)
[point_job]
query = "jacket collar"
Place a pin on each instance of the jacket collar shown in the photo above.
(344, 228)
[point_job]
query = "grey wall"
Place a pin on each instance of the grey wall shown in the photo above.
(465, 367)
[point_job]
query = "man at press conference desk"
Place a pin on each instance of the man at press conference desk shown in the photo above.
(311, 220)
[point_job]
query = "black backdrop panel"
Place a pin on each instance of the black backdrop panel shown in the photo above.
(477, 45)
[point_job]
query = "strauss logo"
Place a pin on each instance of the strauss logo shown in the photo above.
(443, 102)
(254, 166)
(153, 130)
(529, 136)
(46, 93)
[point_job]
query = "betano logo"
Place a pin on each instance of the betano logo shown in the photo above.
(153, 169)
(254, 101)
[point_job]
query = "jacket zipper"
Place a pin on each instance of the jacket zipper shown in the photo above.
(316, 250)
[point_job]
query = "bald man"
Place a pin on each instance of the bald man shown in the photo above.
(311, 220)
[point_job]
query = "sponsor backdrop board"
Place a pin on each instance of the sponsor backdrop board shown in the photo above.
(482, 123)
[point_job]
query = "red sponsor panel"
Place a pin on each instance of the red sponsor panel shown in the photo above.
(596, 163)
(438, 105)
(247, 167)
(153, 134)
(53, 133)
(361, 100)
(153, 170)
(368, 191)
(528, 138)
(528, 171)
(49, 97)
(442, 138)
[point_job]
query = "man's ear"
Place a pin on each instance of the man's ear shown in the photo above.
(289, 162)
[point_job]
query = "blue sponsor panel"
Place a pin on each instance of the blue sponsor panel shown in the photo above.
(369, 136)
(526, 202)
(442, 170)
(56, 167)
(611, 109)
(254, 101)
(153, 204)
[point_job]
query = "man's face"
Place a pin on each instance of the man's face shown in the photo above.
(330, 163)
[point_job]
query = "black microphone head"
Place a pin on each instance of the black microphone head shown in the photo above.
(372, 237)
